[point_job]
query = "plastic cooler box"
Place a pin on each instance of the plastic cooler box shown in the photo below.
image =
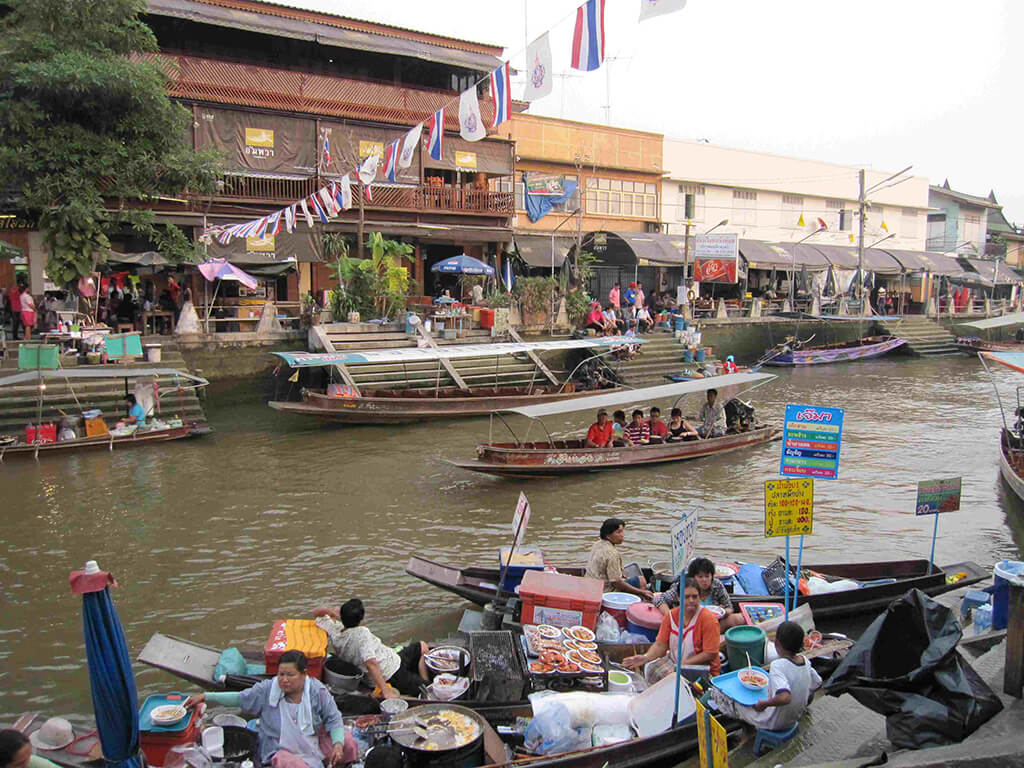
(296, 635)
(522, 561)
(644, 619)
(158, 740)
(559, 599)
(47, 433)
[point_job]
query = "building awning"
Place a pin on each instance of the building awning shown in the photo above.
(1004, 275)
(544, 250)
(281, 248)
(762, 255)
(637, 248)
(845, 257)
(926, 261)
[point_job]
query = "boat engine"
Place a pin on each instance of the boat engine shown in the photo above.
(739, 415)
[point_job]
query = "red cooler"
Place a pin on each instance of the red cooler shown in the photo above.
(555, 598)
(487, 318)
(47, 433)
(644, 619)
(157, 740)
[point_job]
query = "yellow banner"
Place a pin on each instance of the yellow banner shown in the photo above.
(262, 244)
(367, 148)
(719, 757)
(259, 137)
(465, 160)
(788, 507)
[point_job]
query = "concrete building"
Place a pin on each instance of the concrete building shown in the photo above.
(958, 222)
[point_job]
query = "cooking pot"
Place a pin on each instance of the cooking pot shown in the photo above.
(340, 675)
(464, 756)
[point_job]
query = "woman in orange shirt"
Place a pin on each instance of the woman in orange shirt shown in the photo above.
(700, 639)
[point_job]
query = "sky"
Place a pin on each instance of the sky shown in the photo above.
(883, 84)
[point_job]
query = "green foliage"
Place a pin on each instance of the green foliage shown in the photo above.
(376, 286)
(536, 294)
(577, 302)
(87, 132)
(498, 297)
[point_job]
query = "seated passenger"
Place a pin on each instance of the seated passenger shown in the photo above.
(638, 431)
(605, 562)
(679, 428)
(712, 417)
(612, 324)
(657, 427)
(358, 646)
(792, 682)
(595, 319)
(701, 639)
(619, 436)
(600, 433)
(711, 591)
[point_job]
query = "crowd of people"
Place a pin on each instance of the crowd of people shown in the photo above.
(626, 311)
(619, 433)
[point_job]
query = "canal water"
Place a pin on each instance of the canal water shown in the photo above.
(214, 539)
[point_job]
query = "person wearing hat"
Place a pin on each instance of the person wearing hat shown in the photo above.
(729, 366)
(16, 749)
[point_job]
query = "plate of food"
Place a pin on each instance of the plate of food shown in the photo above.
(554, 658)
(548, 631)
(586, 666)
(717, 610)
(725, 570)
(443, 659)
(540, 668)
(580, 633)
(754, 679)
(580, 646)
(168, 714)
(588, 656)
(567, 668)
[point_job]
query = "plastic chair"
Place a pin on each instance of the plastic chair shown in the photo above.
(767, 740)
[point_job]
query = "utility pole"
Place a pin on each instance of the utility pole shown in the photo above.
(578, 159)
(687, 309)
(862, 204)
(362, 219)
(608, 85)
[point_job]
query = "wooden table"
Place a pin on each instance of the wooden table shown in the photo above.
(155, 315)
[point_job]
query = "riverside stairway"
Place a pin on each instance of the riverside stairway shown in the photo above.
(660, 355)
(924, 336)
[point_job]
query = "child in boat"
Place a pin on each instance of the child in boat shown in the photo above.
(792, 682)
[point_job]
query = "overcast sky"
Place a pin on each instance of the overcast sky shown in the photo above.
(882, 83)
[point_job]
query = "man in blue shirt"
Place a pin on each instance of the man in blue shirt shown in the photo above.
(136, 413)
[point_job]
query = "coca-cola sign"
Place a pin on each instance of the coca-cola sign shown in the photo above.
(715, 270)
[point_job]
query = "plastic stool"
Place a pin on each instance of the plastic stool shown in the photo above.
(767, 740)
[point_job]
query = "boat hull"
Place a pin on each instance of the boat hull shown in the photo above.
(110, 443)
(837, 353)
(972, 346)
(397, 410)
(547, 460)
(1011, 464)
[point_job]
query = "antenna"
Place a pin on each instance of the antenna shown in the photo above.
(564, 76)
(608, 85)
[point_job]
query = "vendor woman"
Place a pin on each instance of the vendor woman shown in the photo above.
(711, 592)
(701, 639)
(300, 725)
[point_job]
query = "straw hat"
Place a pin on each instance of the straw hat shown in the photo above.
(55, 733)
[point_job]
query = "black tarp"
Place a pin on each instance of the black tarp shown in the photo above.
(906, 666)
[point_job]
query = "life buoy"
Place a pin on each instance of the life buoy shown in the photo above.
(690, 296)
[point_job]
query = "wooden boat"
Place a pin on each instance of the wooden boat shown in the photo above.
(523, 458)
(109, 441)
(84, 751)
(790, 354)
(351, 405)
(478, 584)
(971, 345)
(1011, 442)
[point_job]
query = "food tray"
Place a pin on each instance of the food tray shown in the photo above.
(603, 674)
(730, 685)
(159, 700)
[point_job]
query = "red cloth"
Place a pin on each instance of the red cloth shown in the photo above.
(14, 297)
(596, 317)
(82, 583)
(706, 635)
(599, 435)
(658, 428)
(729, 366)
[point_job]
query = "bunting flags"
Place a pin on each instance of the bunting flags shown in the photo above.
(328, 202)
(344, 195)
(539, 69)
(289, 218)
(822, 224)
(317, 208)
(325, 155)
(412, 138)
(471, 124)
(884, 227)
(501, 95)
(368, 169)
(588, 37)
(273, 223)
(306, 213)
(391, 160)
(435, 139)
(651, 8)
(800, 221)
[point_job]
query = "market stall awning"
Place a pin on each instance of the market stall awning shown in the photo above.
(1014, 318)
(637, 248)
(845, 257)
(921, 261)
(543, 250)
(144, 259)
(1004, 275)
(282, 248)
(762, 255)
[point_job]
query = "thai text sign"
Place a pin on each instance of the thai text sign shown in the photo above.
(788, 507)
(546, 184)
(520, 520)
(717, 744)
(934, 496)
(810, 441)
(684, 538)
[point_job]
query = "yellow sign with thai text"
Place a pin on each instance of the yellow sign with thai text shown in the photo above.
(263, 244)
(465, 160)
(259, 137)
(367, 148)
(788, 507)
(717, 745)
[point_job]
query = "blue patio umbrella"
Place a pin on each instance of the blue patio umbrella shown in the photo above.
(114, 698)
(462, 265)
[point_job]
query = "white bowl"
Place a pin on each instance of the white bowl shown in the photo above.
(393, 706)
(168, 714)
(753, 686)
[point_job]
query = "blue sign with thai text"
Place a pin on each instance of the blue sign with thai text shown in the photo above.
(811, 438)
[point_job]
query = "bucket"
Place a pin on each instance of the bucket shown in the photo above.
(687, 355)
(153, 353)
(700, 355)
(680, 323)
(740, 641)
(340, 675)
(1005, 572)
(617, 603)
(643, 619)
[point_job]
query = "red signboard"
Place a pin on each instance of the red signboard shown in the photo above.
(715, 270)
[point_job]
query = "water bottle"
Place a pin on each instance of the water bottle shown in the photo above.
(982, 619)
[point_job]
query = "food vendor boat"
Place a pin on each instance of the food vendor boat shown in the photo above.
(1011, 442)
(878, 583)
(351, 404)
(793, 353)
(98, 434)
(524, 458)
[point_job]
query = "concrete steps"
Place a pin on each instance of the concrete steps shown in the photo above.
(924, 336)
(660, 355)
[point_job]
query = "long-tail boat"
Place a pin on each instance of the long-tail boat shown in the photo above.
(351, 404)
(1011, 440)
(525, 458)
(791, 354)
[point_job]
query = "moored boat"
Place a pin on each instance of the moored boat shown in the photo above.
(793, 354)
(1011, 441)
(971, 345)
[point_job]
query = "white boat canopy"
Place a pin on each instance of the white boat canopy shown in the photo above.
(1014, 360)
(27, 377)
(1014, 318)
(452, 352)
(645, 394)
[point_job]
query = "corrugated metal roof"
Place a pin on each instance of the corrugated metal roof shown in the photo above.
(536, 249)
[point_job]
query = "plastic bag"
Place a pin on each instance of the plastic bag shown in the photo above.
(607, 628)
(551, 732)
(906, 667)
(586, 709)
(231, 662)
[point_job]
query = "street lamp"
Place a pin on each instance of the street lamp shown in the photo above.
(722, 223)
(792, 277)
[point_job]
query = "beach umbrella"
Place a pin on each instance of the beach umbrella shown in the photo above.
(114, 698)
(222, 269)
(462, 265)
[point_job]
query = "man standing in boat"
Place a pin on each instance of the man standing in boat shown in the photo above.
(712, 417)
(606, 563)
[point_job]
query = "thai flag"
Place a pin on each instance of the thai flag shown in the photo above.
(435, 139)
(501, 95)
(318, 208)
(391, 160)
(289, 218)
(274, 223)
(588, 37)
(327, 152)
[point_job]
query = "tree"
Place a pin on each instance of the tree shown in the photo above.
(88, 134)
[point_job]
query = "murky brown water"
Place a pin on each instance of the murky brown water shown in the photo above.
(213, 539)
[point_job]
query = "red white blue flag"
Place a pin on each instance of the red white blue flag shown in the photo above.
(326, 153)
(501, 95)
(588, 37)
(391, 160)
(317, 208)
(435, 138)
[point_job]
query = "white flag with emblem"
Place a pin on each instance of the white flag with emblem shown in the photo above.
(651, 8)
(412, 138)
(368, 170)
(471, 124)
(540, 73)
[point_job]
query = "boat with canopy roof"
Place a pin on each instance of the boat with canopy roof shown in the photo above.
(1011, 439)
(525, 458)
(352, 404)
(974, 344)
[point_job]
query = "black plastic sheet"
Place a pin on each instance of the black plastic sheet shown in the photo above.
(906, 667)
